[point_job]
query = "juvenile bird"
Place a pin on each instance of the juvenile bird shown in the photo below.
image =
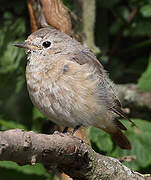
(69, 85)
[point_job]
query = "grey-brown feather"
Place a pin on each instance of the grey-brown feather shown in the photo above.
(107, 89)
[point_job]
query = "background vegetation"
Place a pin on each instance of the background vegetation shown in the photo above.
(125, 53)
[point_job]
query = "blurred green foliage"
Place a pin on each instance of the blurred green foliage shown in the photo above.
(130, 62)
(144, 82)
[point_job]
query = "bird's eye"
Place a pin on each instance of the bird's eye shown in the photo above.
(46, 44)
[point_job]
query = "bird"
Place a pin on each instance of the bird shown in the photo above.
(70, 86)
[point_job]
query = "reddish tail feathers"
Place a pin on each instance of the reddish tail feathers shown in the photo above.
(120, 139)
(118, 136)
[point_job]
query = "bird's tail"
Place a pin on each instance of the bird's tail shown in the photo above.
(119, 138)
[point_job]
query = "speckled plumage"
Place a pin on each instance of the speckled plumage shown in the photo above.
(69, 86)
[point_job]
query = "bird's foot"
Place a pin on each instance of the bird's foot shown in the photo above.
(72, 132)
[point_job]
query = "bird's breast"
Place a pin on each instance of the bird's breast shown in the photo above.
(67, 92)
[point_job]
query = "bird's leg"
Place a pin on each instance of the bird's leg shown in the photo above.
(72, 132)
(75, 129)
(65, 130)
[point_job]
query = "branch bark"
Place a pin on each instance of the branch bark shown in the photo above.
(137, 102)
(62, 152)
(132, 95)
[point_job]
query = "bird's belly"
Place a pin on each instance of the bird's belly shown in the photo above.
(50, 109)
(68, 108)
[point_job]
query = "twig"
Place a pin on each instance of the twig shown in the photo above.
(126, 158)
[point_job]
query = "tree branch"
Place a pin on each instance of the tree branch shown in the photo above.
(137, 101)
(132, 95)
(61, 152)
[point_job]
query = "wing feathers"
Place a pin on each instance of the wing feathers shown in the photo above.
(122, 114)
(120, 125)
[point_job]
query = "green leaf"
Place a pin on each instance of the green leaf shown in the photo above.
(144, 82)
(20, 83)
(28, 169)
(31, 172)
(11, 56)
(139, 27)
(146, 10)
(37, 114)
(11, 125)
(38, 120)
(101, 139)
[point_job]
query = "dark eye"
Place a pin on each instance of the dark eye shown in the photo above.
(46, 44)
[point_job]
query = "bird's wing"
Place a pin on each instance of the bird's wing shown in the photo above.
(85, 56)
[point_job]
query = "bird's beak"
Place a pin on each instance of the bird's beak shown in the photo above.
(26, 45)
